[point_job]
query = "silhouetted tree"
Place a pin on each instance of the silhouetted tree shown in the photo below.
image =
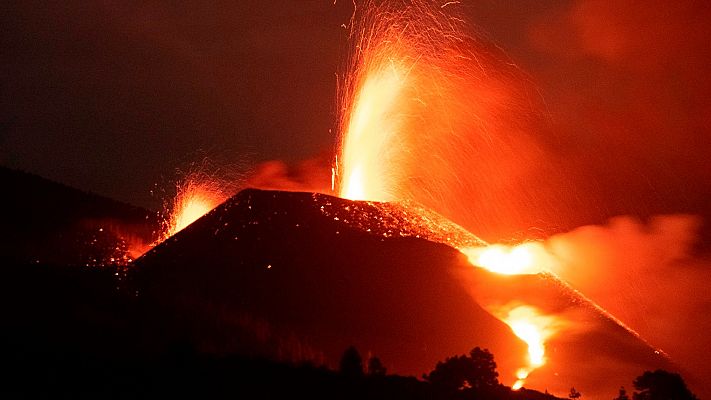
(484, 368)
(376, 367)
(661, 385)
(622, 395)
(477, 371)
(574, 394)
(351, 363)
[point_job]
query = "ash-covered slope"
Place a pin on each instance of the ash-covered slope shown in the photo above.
(302, 276)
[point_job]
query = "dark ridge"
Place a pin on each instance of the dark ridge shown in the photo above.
(300, 276)
(274, 274)
(283, 279)
(47, 222)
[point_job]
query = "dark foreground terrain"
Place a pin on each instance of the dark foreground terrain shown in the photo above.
(260, 298)
(68, 332)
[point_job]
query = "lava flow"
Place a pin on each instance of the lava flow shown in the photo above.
(526, 258)
(526, 322)
(533, 328)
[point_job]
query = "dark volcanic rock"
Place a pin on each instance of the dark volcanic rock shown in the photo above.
(302, 276)
(277, 274)
(299, 276)
(48, 223)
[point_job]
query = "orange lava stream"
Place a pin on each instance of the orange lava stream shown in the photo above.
(533, 328)
(526, 322)
(522, 259)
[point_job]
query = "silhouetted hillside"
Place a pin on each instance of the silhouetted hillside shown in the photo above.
(294, 276)
(271, 274)
(47, 222)
(284, 278)
(68, 331)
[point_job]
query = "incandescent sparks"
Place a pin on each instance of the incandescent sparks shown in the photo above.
(192, 207)
(423, 122)
(372, 127)
(197, 195)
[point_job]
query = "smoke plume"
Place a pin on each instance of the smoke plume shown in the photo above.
(647, 274)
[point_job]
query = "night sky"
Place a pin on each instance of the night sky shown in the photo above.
(113, 97)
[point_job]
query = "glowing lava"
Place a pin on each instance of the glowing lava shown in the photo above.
(193, 207)
(526, 322)
(196, 196)
(379, 99)
(533, 328)
(371, 126)
(504, 260)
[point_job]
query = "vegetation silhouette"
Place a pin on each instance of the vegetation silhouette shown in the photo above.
(376, 367)
(351, 363)
(476, 371)
(661, 385)
(51, 352)
(622, 395)
(73, 347)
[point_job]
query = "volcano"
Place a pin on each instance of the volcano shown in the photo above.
(301, 276)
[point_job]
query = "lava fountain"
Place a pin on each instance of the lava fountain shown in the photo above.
(431, 114)
(425, 118)
(373, 112)
(196, 195)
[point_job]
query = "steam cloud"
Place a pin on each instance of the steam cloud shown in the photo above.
(648, 275)
(310, 175)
